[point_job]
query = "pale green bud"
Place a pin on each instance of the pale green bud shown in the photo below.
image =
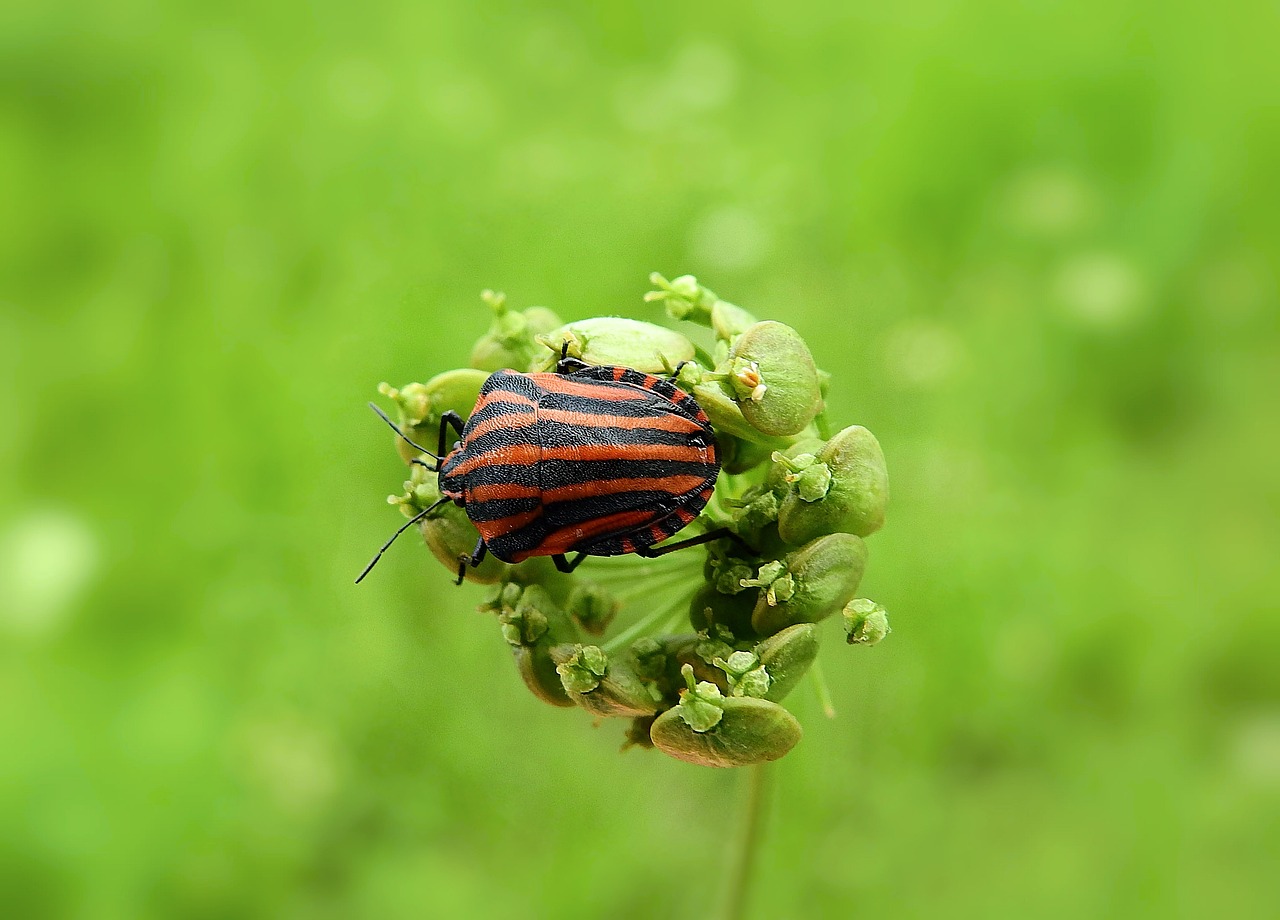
(865, 622)
(787, 656)
(824, 575)
(592, 607)
(422, 405)
(772, 366)
(720, 731)
(856, 495)
(447, 531)
(613, 340)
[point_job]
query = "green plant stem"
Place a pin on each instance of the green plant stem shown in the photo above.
(746, 846)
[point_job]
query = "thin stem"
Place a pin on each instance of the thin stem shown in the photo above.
(822, 690)
(747, 846)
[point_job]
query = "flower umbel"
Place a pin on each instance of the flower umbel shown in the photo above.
(796, 501)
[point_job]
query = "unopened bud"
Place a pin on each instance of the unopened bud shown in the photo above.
(865, 622)
(720, 731)
(785, 395)
(613, 340)
(787, 656)
(592, 607)
(855, 498)
(422, 404)
(824, 576)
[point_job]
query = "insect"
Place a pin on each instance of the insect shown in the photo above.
(594, 460)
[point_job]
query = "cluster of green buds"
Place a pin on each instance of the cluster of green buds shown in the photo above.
(697, 650)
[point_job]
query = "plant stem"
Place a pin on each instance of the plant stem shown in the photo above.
(747, 845)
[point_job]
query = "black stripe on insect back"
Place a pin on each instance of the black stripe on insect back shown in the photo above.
(495, 509)
(581, 510)
(626, 408)
(555, 473)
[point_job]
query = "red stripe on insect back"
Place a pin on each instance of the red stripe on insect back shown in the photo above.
(685, 515)
(507, 454)
(565, 539)
(630, 452)
(664, 421)
(496, 528)
(676, 485)
(557, 383)
(490, 493)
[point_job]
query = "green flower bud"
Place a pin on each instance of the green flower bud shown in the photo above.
(865, 622)
(592, 607)
(824, 576)
(719, 731)
(747, 677)
(701, 705)
(686, 299)
(533, 627)
(447, 531)
(603, 686)
(855, 498)
(777, 582)
(422, 405)
(808, 477)
(727, 416)
(580, 666)
(710, 608)
(508, 341)
(776, 480)
(786, 656)
(614, 340)
(771, 365)
(756, 514)
(650, 658)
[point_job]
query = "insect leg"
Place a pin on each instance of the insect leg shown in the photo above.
(449, 419)
(567, 365)
(675, 372)
(652, 552)
(476, 557)
(564, 565)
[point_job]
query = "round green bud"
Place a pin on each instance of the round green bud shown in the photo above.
(533, 628)
(854, 499)
(592, 607)
(865, 622)
(511, 341)
(601, 685)
(774, 379)
(776, 480)
(727, 417)
(421, 406)
(684, 298)
(824, 575)
(614, 340)
(786, 656)
(748, 731)
(447, 531)
(710, 608)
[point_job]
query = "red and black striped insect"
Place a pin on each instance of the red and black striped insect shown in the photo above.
(592, 460)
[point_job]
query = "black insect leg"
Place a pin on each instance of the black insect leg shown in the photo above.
(653, 552)
(473, 560)
(564, 565)
(567, 365)
(449, 419)
(675, 372)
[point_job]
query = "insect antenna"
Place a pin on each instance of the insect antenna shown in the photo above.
(396, 428)
(385, 546)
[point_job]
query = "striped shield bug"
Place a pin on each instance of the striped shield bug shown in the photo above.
(593, 460)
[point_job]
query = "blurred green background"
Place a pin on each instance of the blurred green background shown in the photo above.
(1035, 243)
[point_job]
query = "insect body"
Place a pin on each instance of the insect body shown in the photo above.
(593, 460)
